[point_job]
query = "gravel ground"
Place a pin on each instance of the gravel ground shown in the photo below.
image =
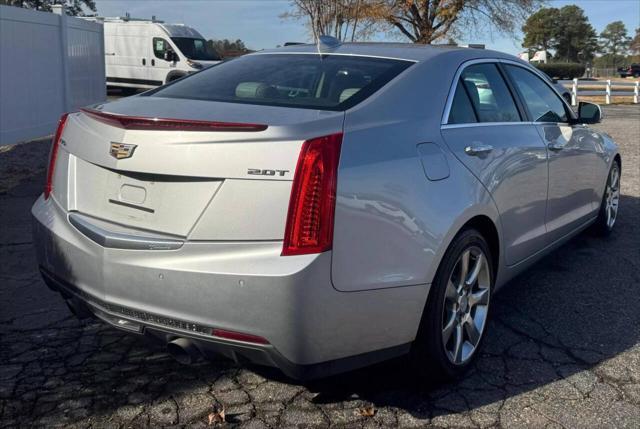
(563, 349)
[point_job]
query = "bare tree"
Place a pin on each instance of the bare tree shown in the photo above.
(421, 21)
(345, 20)
(428, 21)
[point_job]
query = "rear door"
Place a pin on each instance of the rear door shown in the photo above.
(485, 130)
(576, 167)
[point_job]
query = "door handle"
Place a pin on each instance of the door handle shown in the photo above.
(144, 61)
(555, 147)
(153, 62)
(477, 148)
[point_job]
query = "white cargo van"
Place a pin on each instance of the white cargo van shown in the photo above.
(149, 53)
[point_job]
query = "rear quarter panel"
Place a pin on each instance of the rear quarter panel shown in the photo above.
(392, 224)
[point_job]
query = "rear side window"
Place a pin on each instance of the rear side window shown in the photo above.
(543, 103)
(461, 109)
(490, 97)
(327, 82)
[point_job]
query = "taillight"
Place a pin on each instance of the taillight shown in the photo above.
(313, 197)
(53, 155)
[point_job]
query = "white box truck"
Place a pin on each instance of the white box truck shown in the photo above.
(149, 53)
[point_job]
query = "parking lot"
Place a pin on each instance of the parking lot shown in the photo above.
(563, 349)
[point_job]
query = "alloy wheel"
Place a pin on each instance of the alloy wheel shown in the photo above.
(466, 305)
(612, 197)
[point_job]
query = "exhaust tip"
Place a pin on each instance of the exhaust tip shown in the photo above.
(183, 351)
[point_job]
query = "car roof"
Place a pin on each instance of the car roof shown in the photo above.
(404, 51)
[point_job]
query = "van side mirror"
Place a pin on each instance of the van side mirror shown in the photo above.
(170, 56)
(589, 113)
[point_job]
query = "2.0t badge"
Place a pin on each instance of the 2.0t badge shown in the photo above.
(122, 150)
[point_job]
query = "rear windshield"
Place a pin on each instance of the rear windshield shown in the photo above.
(327, 82)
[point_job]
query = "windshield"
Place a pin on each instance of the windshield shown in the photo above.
(195, 49)
(327, 82)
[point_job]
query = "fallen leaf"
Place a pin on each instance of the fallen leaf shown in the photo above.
(217, 417)
(367, 411)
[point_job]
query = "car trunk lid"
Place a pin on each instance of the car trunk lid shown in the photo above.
(232, 183)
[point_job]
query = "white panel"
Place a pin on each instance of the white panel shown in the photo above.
(32, 79)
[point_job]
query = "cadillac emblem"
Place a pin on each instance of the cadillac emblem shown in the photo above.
(121, 150)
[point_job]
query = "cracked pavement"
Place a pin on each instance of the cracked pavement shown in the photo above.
(563, 348)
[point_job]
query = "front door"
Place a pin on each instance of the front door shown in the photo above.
(160, 68)
(574, 164)
(486, 131)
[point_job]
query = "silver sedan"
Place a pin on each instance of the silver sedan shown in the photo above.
(319, 208)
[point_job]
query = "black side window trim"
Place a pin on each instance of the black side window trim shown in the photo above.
(468, 97)
(525, 115)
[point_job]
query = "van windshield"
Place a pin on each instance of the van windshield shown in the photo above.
(311, 81)
(195, 49)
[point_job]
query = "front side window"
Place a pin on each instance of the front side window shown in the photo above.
(312, 81)
(160, 46)
(543, 103)
(490, 97)
(195, 49)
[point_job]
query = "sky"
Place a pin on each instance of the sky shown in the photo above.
(259, 24)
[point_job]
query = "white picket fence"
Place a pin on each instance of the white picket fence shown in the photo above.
(50, 63)
(628, 89)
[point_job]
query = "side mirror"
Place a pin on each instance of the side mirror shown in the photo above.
(170, 56)
(589, 113)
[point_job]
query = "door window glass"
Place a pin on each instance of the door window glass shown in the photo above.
(160, 46)
(461, 109)
(543, 103)
(489, 94)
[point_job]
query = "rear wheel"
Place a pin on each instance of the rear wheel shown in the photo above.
(610, 202)
(455, 317)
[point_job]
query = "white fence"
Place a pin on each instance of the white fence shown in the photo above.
(609, 89)
(49, 64)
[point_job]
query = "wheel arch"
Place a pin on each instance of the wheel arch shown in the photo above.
(485, 226)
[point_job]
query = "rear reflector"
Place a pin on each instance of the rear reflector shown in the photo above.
(53, 155)
(159, 124)
(239, 336)
(309, 226)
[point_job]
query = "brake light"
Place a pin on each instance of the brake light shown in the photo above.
(312, 205)
(53, 155)
(165, 124)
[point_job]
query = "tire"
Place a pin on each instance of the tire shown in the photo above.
(610, 202)
(433, 355)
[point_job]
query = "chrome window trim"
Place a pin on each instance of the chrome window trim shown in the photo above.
(494, 124)
(447, 110)
(483, 124)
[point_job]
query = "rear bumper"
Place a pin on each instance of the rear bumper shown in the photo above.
(312, 329)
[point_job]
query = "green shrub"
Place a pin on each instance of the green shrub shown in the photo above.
(562, 70)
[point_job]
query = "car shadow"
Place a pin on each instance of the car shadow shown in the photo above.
(570, 312)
